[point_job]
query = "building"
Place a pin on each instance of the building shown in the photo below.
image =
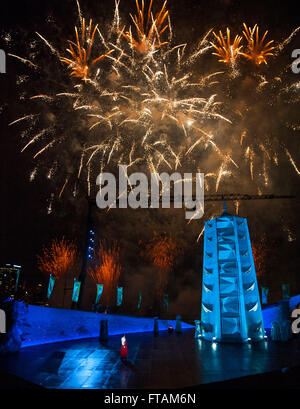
(231, 308)
(9, 278)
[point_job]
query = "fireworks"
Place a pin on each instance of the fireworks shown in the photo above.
(259, 251)
(127, 110)
(148, 29)
(58, 259)
(138, 98)
(227, 52)
(106, 269)
(257, 50)
(80, 63)
(162, 251)
(261, 97)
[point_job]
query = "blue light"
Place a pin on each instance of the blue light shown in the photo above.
(231, 307)
(42, 325)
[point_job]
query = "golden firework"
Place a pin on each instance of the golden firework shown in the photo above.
(80, 62)
(257, 50)
(227, 52)
(148, 28)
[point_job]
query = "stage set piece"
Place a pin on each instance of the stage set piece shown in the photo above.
(231, 309)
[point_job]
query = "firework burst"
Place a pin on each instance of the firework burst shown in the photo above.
(58, 259)
(148, 29)
(257, 50)
(136, 99)
(227, 52)
(106, 269)
(118, 108)
(162, 252)
(256, 98)
(80, 63)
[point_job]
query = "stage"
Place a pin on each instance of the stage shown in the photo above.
(166, 361)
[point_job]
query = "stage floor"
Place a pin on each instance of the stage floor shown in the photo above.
(166, 361)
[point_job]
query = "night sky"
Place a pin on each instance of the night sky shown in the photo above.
(25, 225)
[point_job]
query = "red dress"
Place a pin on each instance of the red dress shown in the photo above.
(124, 351)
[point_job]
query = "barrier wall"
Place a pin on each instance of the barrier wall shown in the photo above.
(40, 325)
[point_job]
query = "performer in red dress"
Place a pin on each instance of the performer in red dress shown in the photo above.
(124, 351)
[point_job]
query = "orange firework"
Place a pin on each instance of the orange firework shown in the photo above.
(162, 251)
(148, 29)
(106, 270)
(227, 52)
(58, 259)
(80, 64)
(257, 50)
(259, 254)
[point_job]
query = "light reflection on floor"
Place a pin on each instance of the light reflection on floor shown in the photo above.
(166, 361)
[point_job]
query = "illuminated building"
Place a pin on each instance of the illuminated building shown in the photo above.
(9, 278)
(231, 309)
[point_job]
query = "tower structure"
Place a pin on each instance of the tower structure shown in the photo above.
(231, 309)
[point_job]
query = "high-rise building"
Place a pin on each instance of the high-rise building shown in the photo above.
(231, 309)
(9, 277)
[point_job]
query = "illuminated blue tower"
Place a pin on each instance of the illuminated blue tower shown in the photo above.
(231, 309)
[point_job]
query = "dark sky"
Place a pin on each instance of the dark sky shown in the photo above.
(24, 224)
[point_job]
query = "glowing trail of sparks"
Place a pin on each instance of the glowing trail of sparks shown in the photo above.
(63, 188)
(201, 234)
(23, 118)
(292, 161)
(44, 149)
(35, 138)
(24, 60)
(281, 46)
(53, 50)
